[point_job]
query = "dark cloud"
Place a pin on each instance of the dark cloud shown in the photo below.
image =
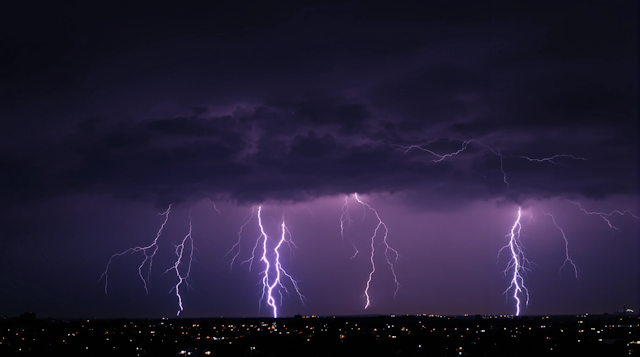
(274, 108)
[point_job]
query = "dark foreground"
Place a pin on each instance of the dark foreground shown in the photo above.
(599, 335)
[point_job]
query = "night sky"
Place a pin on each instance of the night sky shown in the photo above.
(112, 112)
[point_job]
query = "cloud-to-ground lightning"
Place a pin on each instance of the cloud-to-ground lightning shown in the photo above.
(605, 216)
(273, 270)
(516, 264)
(387, 249)
(517, 254)
(567, 258)
(182, 277)
(148, 251)
(269, 286)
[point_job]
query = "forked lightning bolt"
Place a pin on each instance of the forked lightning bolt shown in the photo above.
(148, 251)
(517, 255)
(387, 249)
(517, 264)
(273, 270)
(182, 277)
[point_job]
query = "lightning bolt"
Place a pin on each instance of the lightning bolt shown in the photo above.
(603, 215)
(438, 156)
(552, 158)
(567, 258)
(504, 173)
(273, 270)
(517, 253)
(345, 222)
(387, 249)
(232, 250)
(214, 206)
(180, 248)
(253, 251)
(516, 263)
(148, 251)
(465, 144)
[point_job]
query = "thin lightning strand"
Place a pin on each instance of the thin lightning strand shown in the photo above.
(531, 217)
(153, 247)
(517, 264)
(386, 252)
(465, 144)
(289, 241)
(504, 174)
(253, 251)
(604, 215)
(235, 255)
(345, 218)
(345, 222)
(176, 267)
(438, 156)
(567, 258)
(285, 231)
(551, 158)
(214, 206)
(310, 212)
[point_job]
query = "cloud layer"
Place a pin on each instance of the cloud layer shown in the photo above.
(294, 103)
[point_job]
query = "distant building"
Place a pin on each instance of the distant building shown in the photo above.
(28, 316)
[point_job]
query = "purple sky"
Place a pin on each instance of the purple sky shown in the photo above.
(112, 112)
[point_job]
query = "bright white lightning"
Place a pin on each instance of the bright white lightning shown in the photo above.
(516, 263)
(387, 249)
(182, 277)
(517, 254)
(273, 270)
